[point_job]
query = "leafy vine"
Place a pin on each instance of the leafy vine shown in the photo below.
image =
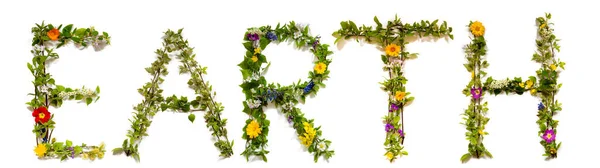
(392, 38)
(259, 93)
(474, 116)
(47, 38)
(544, 85)
(175, 45)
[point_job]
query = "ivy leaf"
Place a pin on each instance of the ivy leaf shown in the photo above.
(192, 117)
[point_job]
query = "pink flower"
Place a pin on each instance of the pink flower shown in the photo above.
(476, 93)
(549, 136)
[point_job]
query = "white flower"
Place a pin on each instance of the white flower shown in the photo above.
(322, 146)
(301, 26)
(253, 103)
(287, 106)
(44, 89)
(394, 62)
(498, 84)
(255, 31)
(39, 47)
(83, 92)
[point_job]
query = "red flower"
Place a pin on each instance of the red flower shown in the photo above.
(41, 115)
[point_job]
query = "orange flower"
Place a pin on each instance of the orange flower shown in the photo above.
(53, 34)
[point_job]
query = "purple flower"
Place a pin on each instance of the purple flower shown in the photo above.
(401, 133)
(290, 118)
(549, 136)
(541, 106)
(393, 107)
(476, 93)
(72, 152)
(253, 36)
(388, 127)
(314, 44)
(271, 36)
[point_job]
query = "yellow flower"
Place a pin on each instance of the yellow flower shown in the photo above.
(308, 136)
(533, 91)
(481, 132)
(399, 95)
(257, 51)
(40, 150)
(392, 50)
(543, 25)
(477, 28)
(522, 85)
(553, 67)
(253, 129)
(389, 155)
(84, 156)
(254, 58)
(528, 85)
(320, 68)
(472, 74)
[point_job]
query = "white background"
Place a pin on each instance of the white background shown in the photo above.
(349, 108)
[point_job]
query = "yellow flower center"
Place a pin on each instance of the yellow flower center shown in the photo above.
(549, 136)
(477, 92)
(42, 115)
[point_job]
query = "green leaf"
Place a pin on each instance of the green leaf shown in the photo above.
(404, 153)
(67, 29)
(192, 117)
(69, 143)
(377, 21)
(117, 151)
(98, 89)
(384, 59)
(465, 158)
(344, 25)
(88, 100)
